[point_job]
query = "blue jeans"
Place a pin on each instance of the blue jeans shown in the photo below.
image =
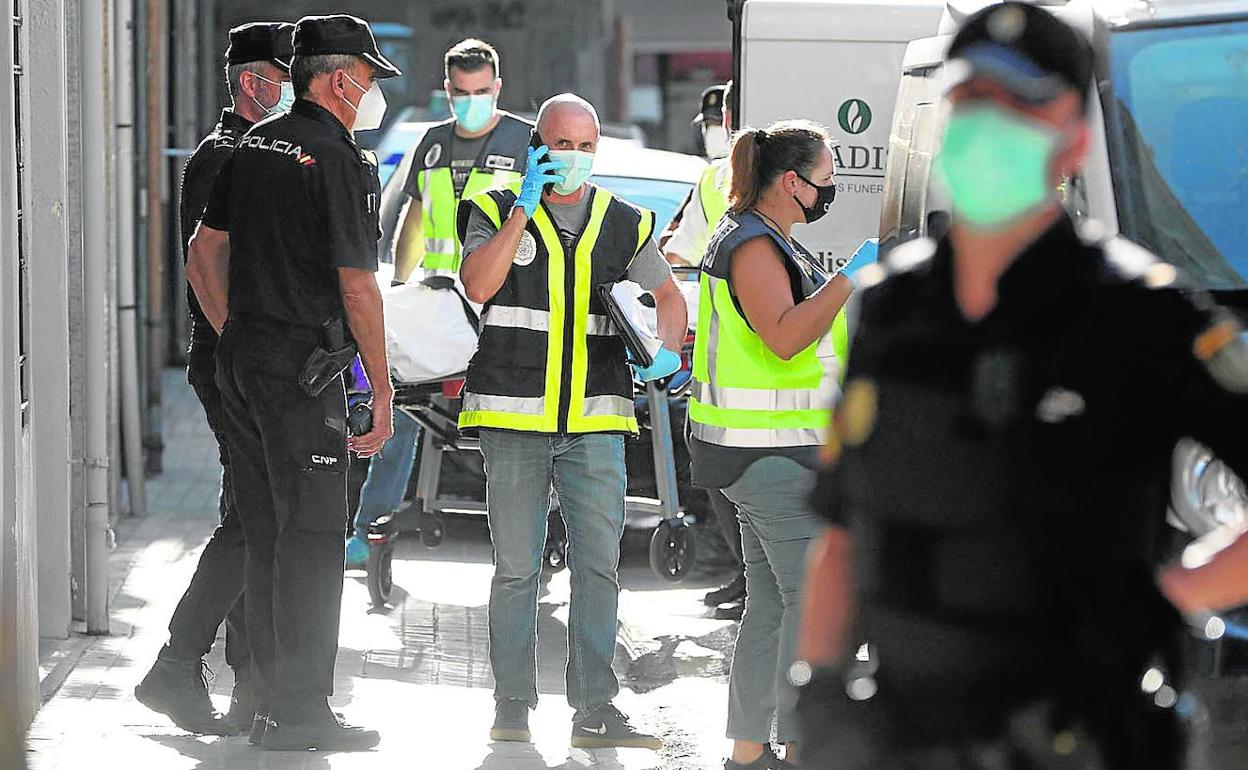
(587, 473)
(388, 473)
(777, 526)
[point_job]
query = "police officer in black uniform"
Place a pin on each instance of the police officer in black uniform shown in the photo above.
(290, 238)
(1011, 406)
(258, 74)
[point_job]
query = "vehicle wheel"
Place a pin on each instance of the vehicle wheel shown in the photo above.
(672, 552)
(380, 573)
(432, 529)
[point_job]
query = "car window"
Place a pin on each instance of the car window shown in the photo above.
(662, 196)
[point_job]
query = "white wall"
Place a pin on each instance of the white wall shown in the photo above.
(48, 236)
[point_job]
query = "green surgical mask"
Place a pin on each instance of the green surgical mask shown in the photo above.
(575, 165)
(995, 165)
(473, 112)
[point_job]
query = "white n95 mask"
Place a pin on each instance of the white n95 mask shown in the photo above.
(371, 109)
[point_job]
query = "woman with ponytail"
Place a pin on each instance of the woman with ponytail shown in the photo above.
(764, 377)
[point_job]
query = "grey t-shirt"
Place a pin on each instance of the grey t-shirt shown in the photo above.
(464, 153)
(649, 269)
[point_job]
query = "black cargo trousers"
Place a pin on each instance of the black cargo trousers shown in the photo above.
(288, 467)
(216, 589)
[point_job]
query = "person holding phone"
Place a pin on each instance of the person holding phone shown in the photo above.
(764, 376)
(550, 393)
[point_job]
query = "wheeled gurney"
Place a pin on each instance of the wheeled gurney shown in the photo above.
(434, 405)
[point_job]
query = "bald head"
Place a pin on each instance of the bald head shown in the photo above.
(568, 122)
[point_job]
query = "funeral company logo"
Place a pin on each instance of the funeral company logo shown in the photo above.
(854, 116)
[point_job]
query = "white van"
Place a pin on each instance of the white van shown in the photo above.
(1168, 168)
(836, 62)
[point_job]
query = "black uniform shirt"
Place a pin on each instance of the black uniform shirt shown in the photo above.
(1004, 481)
(197, 178)
(299, 200)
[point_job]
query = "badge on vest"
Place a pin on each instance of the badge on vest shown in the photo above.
(433, 155)
(526, 252)
(500, 162)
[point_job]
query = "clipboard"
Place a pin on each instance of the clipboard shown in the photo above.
(633, 340)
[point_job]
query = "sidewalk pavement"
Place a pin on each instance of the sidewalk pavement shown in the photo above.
(419, 673)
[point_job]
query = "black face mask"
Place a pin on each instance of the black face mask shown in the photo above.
(823, 200)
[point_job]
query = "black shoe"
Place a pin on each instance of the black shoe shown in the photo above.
(259, 723)
(607, 728)
(179, 690)
(325, 732)
(768, 761)
(730, 593)
(732, 611)
(511, 721)
(242, 713)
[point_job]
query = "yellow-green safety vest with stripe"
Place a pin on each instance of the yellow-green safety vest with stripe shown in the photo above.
(711, 192)
(714, 200)
(548, 359)
(744, 395)
(500, 163)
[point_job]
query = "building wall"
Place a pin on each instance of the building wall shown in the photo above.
(18, 613)
(47, 233)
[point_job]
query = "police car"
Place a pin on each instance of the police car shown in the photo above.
(1168, 168)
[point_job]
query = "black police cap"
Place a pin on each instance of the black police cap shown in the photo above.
(1028, 50)
(261, 41)
(341, 34)
(712, 110)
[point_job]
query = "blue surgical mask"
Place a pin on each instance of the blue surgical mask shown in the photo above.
(284, 102)
(575, 165)
(473, 112)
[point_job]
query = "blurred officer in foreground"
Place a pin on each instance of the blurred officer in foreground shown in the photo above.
(258, 73)
(550, 391)
(1013, 400)
(290, 237)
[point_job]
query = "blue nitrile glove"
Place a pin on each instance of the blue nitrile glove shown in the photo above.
(665, 362)
(536, 176)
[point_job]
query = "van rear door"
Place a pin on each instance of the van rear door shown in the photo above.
(836, 62)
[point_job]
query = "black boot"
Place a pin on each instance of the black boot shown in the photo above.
(320, 729)
(179, 690)
(730, 593)
(242, 703)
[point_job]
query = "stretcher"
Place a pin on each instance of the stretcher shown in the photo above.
(652, 502)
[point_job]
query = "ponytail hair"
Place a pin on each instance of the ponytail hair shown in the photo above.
(760, 156)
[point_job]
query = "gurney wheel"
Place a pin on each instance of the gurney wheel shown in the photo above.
(380, 573)
(672, 551)
(432, 530)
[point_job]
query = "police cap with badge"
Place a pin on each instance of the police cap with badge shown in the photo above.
(712, 110)
(269, 41)
(1025, 49)
(341, 34)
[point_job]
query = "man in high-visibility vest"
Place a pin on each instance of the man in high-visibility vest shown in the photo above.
(709, 200)
(686, 246)
(480, 148)
(550, 393)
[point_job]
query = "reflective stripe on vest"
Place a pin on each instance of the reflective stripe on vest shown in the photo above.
(438, 206)
(745, 395)
(586, 413)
